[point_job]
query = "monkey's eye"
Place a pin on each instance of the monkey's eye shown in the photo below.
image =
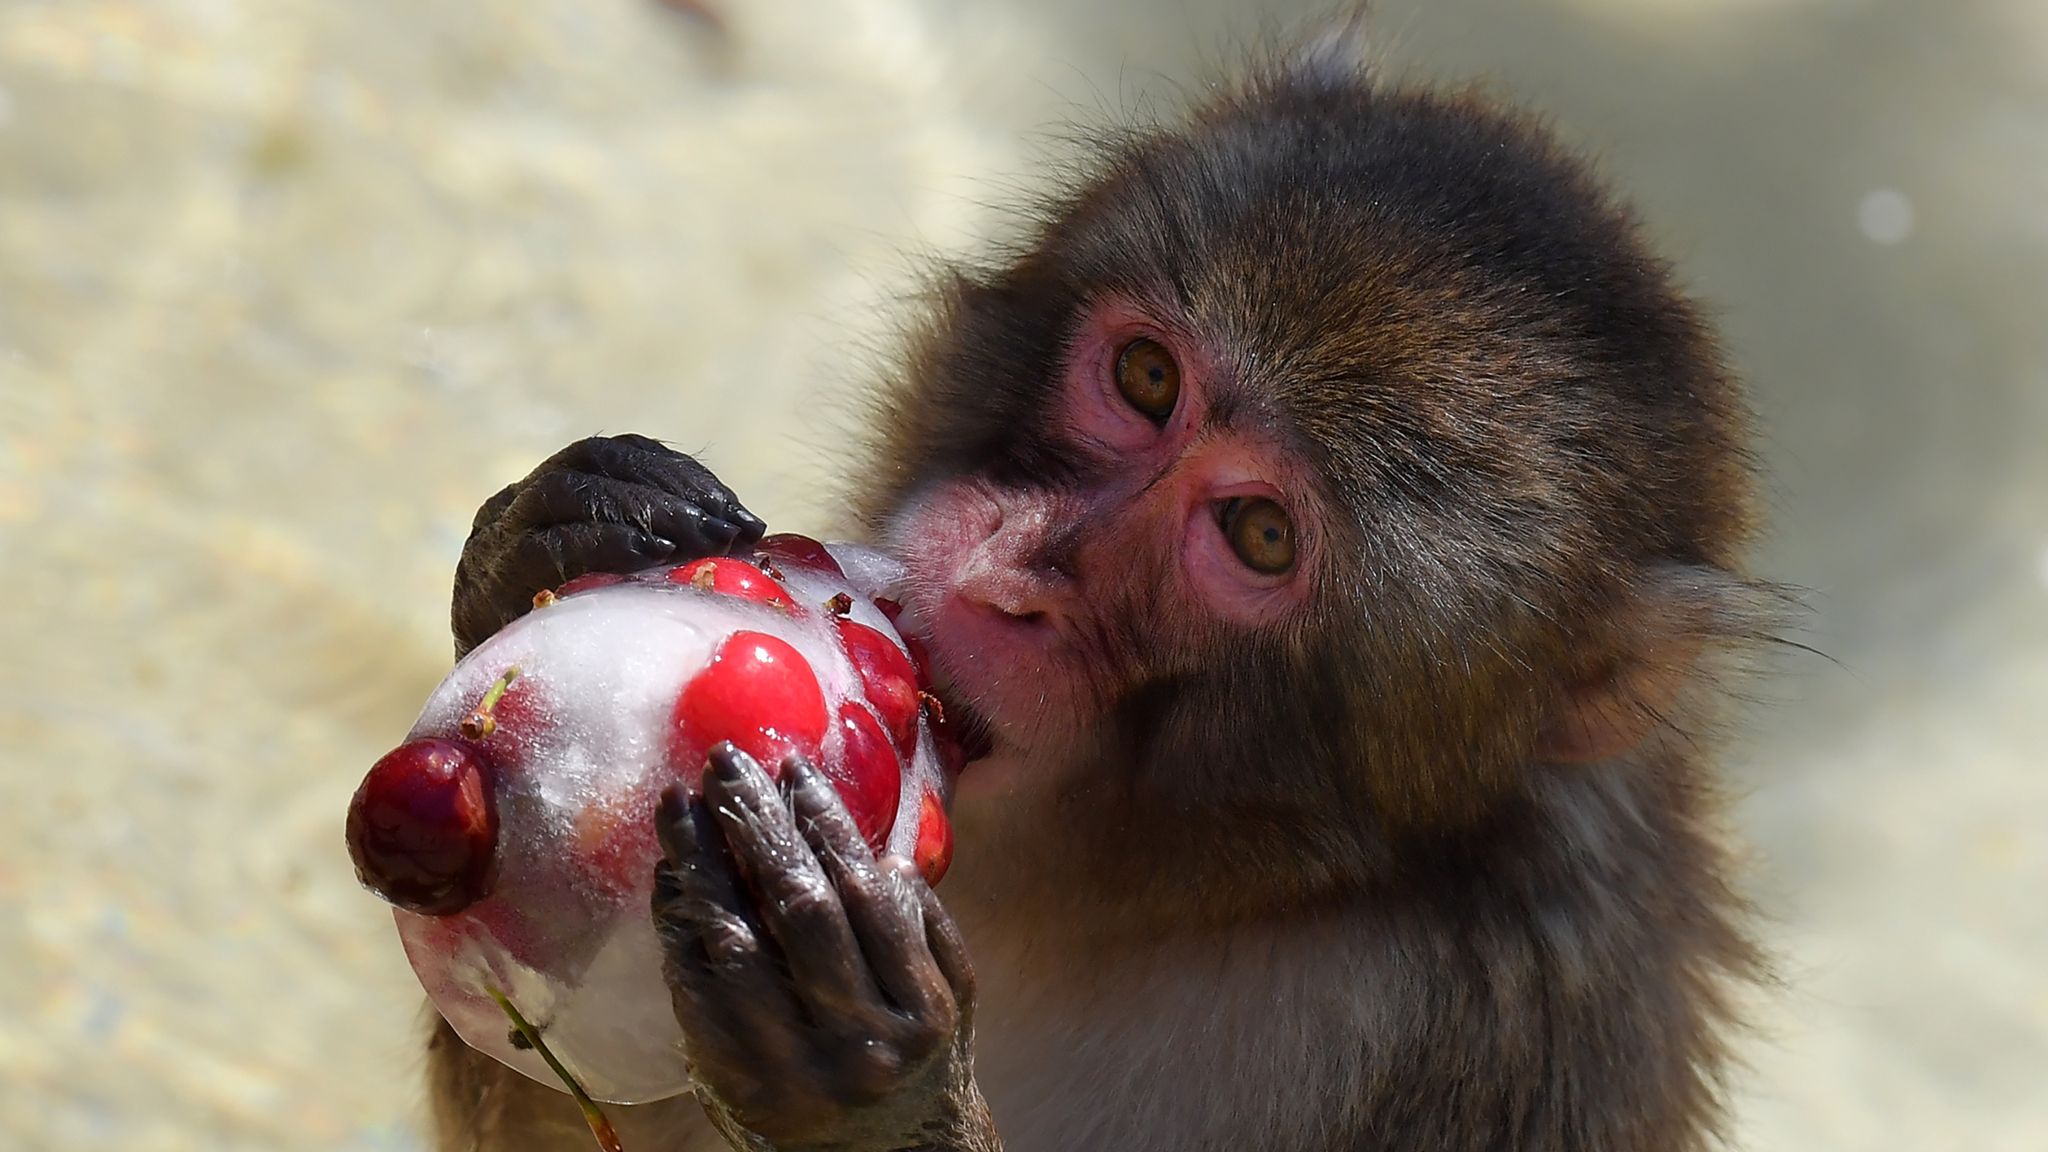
(1260, 533)
(1148, 378)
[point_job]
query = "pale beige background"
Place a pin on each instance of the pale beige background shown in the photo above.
(287, 287)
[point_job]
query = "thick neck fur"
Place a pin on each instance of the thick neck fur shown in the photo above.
(1564, 995)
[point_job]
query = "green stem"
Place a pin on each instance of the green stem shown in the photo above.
(480, 723)
(600, 1127)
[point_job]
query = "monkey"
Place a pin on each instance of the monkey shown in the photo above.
(1332, 520)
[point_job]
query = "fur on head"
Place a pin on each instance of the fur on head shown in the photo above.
(1513, 455)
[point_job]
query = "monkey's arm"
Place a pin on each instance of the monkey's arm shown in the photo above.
(825, 996)
(603, 504)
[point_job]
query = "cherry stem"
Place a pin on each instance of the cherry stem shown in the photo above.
(607, 1138)
(480, 723)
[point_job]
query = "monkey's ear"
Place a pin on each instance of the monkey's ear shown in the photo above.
(1651, 651)
(1616, 711)
(1337, 51)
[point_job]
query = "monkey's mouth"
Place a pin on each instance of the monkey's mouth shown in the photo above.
(970, 731)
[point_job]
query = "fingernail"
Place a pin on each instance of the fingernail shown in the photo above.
(675, 803)
(674, 828)
(727, 762)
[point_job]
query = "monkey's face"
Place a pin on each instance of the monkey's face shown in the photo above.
(1117, 542)
(1314, 465)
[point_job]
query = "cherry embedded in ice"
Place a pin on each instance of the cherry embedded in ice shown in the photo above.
(510, 719)
(730, 577)
(612, 840)
(575, 721)
(887, 677)
(589, 580)
(423, 827)
(868, 774)
(757, 692)
(934, 851)
(799, 552)
(522, 717)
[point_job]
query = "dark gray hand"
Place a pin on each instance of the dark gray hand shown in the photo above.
(826, 999)
(605, 504)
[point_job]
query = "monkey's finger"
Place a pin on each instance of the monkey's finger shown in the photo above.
(490, 510)
(949, 947)
(793, 898)
(699, 905)
(563, 498)
(725, 985)
(550, 556)
(647, 462)
(885, 913)
(659, 466)
(738, 1032)
(496, 579)
(696, 531)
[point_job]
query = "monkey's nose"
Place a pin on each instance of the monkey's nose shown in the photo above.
(1006, 575)
(1020, 595)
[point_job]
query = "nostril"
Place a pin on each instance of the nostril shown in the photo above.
(1008, 605)
(993, 601)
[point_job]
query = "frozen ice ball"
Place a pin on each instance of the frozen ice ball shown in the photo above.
(514, 829)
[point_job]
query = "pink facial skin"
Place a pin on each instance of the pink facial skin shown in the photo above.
(1016, 586)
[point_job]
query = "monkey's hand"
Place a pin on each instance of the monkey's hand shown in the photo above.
(825, 997)
(604, 504)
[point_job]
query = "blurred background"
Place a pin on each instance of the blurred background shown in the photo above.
(288, 287)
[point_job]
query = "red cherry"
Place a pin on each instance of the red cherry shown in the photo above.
(613, 841)
(423, 828)
(799, 552)
(919, 659)
(934, 851)
(758, 693)
(731, 577)
(869, 775)
(589, 580)
(887, 677)
(519, 719)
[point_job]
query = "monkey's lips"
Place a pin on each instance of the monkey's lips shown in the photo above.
(968, 728)
(997, 667)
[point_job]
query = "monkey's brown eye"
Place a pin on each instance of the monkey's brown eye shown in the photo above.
(1148, 378)
(1260, 533)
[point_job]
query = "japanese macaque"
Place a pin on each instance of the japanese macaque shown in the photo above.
(1331, 520)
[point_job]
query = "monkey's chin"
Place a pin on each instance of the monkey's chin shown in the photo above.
(999, 780)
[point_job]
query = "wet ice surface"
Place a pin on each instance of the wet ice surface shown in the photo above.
(581, 749)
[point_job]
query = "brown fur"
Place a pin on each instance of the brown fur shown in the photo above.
(1317, 889)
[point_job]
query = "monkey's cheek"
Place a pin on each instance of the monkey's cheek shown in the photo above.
(935, 533)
